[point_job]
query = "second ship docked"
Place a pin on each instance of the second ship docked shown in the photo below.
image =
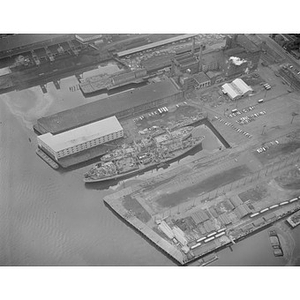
(150, 152)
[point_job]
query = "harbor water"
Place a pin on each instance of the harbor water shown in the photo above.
(50, 217)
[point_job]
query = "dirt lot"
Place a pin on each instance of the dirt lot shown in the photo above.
(132, 204)
(209, 184)
(281, 150)
(289, 180)
(254, 194)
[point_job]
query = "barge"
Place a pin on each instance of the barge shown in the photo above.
(294, 220)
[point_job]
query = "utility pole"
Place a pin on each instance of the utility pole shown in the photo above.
(294, 114)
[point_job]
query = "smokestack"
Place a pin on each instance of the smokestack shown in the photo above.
(193, 46)
(200, 57)
(228, 42)
(234, 40)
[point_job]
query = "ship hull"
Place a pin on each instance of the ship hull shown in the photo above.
(143, 168)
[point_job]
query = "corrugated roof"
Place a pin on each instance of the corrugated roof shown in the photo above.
(213, 212)
(225, 219)
(232, 93)
(242, 210)
(97, 110)
(242, 86)
(199, 216)
(81, 134)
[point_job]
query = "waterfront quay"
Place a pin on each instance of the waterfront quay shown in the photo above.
(172, 241)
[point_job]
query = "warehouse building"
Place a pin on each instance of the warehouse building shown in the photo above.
(81, 138)
(236, 89)
(120, 105)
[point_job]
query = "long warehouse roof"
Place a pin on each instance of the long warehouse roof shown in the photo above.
(156, 44)
(97, 110)
(81, 134)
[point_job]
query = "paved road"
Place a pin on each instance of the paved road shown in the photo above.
(279, 49)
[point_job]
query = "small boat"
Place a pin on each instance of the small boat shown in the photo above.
(275, 242)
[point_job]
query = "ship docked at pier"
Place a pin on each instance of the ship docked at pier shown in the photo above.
(145, 154)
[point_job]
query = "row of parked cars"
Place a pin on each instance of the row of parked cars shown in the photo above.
(159, 111)
(248, 135)
(236, 112)
(248, 119)
(267, 146)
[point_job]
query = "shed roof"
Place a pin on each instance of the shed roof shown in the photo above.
(229, 89)
(242, 86)
(242, 210)
(199, 216)
(81, 134)
(225, 219)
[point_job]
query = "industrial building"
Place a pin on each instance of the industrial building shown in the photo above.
(236, 89)
(203, 80)
(241, 56)
(80, 138)
(20, 43)
(155, 44)
(120, 105)
(291, 75)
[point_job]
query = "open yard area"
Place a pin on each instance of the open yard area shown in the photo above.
(204, 186)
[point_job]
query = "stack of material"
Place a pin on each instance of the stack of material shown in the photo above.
(200, 216)
(165, 228)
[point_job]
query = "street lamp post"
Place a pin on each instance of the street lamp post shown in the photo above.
(263, 129)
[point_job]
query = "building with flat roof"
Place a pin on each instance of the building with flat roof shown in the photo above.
(121, 105)
(202, 79)
(81, 138)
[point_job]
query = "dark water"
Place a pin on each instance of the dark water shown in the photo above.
(257, 251)
(52, 218)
